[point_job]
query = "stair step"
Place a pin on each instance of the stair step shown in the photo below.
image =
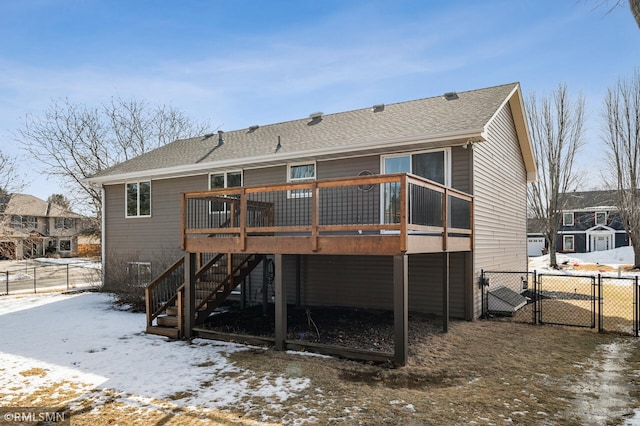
(172, 310)
(170, 332)
(167, 321)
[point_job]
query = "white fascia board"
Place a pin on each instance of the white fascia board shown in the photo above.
(276, 159)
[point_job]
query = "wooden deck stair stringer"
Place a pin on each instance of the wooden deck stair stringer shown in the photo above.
(171, 323)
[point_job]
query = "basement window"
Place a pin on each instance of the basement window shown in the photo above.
(139, 273)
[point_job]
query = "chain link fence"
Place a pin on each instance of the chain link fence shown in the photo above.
(33, 276)
(599, 302)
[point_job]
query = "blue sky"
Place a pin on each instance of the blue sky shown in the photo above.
(239, 63)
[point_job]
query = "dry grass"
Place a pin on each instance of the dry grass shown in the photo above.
(488, 372)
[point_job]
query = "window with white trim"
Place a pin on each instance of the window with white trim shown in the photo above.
(139, 273)
(567, 219)
(64, 245)
(223, 180)
(302, 172)
(65, 223)
(433, 165)
(568, 243)
(138, 199)
(601, 218)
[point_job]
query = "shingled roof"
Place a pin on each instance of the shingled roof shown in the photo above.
(28, 205)
(587, 200)
(429, 119)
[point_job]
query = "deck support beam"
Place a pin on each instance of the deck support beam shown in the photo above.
(281, 305)
(401, 308)
(445, 291)
(190, 260)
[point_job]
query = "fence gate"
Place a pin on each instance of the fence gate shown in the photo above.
(599, 302)
(567, 300)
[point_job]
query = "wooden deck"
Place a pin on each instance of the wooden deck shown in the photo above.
(373, 215)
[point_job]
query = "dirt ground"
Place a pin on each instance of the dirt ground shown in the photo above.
(482, 372)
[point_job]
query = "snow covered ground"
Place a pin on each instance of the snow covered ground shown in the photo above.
(614, 259)
(84, 341)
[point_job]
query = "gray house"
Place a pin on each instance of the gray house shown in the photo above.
(396, 207)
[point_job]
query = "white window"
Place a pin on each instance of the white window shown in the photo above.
(303, 172)
(433, 165)
(225, 180)
(24, 222)
(138, 199)
(139, 273)
(567, 219)
(568, 243)
(65, 223)
(64, 245)
(601, 218)
(221, 209)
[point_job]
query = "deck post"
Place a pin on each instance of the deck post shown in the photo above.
(445, 291)
(189, 293)
(281, 305)
(401, 308)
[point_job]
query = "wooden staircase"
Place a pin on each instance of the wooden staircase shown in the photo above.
(215, 281)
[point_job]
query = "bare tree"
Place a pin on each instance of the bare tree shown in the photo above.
(622, 138)
(75, 141)
(634, 5)
(59, 199)
(556, 124)
(635, 10)
(10, 180)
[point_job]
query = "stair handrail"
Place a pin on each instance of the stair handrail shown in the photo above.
(224, 282)
(148, 291)
(167, 272)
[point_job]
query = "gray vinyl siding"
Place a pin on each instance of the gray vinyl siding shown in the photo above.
(425, 283)
(500, 196)
(354, 281)
(367, 282)
(154, 239)
(348, 167)
(265, 176)
(461, 169)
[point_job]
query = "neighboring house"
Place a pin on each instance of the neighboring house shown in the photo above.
(590, 222)
(394, 207)
(31, 227)
(536, 241)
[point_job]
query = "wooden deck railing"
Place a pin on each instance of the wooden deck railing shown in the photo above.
(402, 207)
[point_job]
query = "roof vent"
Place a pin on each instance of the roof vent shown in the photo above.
(377, 108)
(450, 96)
(253, 128)
(220, 138)
(315, 118)
(208, 135)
